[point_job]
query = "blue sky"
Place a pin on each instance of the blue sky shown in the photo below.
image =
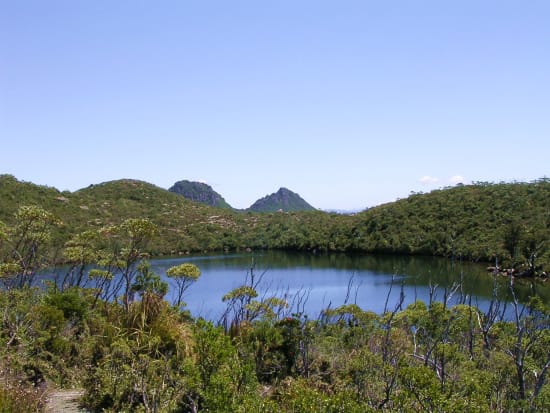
(349, 103)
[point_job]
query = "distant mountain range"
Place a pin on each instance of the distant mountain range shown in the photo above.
(283, 200)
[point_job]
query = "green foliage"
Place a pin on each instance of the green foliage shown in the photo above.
(300, 395)
(151, 358)
(136, 359)
(240, 292)
(475, 222)
(82, 248)
(147, 282)
(223, 381)
(8, 269)
(41, 333)
(145, 355)
(186, 270)
(130, 378)
(26, 245)
(72, 303)
(183, 275)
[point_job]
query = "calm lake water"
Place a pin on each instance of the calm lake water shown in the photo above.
(317, 281)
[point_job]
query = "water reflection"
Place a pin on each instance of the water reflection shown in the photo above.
(324, 280)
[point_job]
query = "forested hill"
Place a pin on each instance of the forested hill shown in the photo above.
(510, 221)
(479, 221)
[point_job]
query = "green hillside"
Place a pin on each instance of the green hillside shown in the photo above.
(480, 222)
(477, 222)
(184, 225)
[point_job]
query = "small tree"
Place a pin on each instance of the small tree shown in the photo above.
(129, 241)
(80, 252)
(152, 290)
(183, 275)
(26, 246)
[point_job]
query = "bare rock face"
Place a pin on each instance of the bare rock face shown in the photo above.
(199, 192)
(283, 200)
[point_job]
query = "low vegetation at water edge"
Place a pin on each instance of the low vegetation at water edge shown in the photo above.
(104, 325)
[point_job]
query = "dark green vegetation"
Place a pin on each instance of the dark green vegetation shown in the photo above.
(482, 222)
(284, 200)
(105, 326)
(199, 192)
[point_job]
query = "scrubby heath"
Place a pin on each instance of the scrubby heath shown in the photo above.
(508, 222)
(131, 350)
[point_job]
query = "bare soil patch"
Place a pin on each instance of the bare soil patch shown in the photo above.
(64, 401)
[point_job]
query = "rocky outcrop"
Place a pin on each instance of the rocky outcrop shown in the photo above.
(283, 200)
(199, 192)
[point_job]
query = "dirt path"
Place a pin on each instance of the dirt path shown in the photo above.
(64, 401)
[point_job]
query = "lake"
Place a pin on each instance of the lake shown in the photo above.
(316, 281)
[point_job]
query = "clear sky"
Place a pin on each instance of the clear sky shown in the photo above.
(349, 103)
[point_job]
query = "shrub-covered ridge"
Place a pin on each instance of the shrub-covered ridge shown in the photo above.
(508, 222)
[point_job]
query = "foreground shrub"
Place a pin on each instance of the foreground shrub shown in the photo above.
(17, 397)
